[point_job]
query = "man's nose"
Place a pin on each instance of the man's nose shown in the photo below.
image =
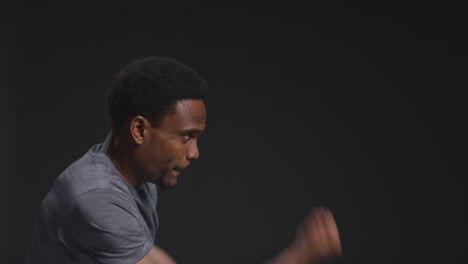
(193, 152)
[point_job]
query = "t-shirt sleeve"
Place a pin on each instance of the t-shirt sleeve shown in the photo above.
(103, 226)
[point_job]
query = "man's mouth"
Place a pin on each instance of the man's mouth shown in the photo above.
(181, 169)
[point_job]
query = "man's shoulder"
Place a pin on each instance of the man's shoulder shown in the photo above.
(93, 171)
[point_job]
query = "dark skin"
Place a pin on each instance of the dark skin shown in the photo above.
(159, 154)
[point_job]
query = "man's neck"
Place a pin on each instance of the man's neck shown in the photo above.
(120, 155)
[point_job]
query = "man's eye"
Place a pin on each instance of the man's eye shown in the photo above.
(186, 136)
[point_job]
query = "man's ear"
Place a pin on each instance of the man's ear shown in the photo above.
(139, 127)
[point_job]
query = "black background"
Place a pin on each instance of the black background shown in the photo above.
(358, 110)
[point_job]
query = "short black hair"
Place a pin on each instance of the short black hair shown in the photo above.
(150, 87)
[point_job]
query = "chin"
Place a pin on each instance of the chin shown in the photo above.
(167, 185)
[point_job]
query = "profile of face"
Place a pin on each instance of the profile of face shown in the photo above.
(165, 151)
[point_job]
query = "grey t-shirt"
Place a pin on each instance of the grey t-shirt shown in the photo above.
(92, 215)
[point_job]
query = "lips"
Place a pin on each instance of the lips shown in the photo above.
(180, 169)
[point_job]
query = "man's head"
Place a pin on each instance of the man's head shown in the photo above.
(150, 87)
(158, 105)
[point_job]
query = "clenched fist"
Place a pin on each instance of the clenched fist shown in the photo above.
(316, 241)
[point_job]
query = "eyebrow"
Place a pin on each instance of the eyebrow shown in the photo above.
(193, 130)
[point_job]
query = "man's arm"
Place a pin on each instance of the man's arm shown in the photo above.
(316, 241)
(101, 226)
(157, 256)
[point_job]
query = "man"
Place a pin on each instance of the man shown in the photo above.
(102, 208)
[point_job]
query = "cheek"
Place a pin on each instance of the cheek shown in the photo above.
(174, 152)
(164, 159)
(167, 154)
(152, 160)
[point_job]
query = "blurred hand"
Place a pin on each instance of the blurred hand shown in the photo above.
(317, 239)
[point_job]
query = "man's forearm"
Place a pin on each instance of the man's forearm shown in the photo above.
(157, 256)
(292, 255)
